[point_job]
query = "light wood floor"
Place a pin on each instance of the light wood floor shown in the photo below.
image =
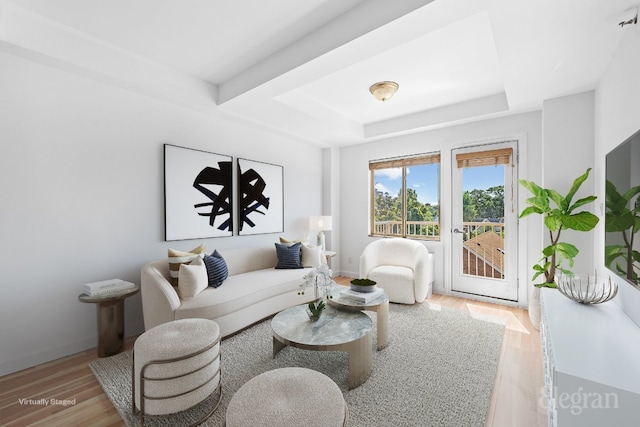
(515, 401)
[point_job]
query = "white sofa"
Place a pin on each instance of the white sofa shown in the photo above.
(254, 290)
(402, 267)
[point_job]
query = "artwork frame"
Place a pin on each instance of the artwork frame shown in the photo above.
(260, 196)
(190, 177)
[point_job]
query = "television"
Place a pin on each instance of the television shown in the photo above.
(622, 210)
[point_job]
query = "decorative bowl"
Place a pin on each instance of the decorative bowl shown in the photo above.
(586, 289)
(362, 285)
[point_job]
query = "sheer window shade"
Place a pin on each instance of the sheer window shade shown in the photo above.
(485, 158)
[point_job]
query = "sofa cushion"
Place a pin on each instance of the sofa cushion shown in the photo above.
(290, 242)
(193, 279)
(176, 258)
(288, 256)
(241, 291)
(217, 270)
(311, 256)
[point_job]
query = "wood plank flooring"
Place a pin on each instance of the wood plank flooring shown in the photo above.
(515, 400)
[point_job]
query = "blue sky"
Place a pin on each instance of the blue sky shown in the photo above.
(482, 177)
(424, 179)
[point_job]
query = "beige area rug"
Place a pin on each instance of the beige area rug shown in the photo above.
(438, 370)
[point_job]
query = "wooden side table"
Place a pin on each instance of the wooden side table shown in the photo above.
(110, 311)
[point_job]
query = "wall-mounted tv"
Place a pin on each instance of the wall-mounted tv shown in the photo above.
(622, 210)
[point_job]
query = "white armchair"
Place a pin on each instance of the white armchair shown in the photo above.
(402, 267)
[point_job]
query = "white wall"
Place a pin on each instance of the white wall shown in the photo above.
(81, 179)
(354, 200)
(568, 150)
(617, 116)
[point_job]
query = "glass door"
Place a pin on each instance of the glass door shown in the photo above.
(484, 219)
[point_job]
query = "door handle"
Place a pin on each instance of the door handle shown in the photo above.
(455, 230)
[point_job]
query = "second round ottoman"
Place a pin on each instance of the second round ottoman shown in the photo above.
(288, 397)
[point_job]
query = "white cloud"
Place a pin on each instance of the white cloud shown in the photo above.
(393, 173)
(381, 187)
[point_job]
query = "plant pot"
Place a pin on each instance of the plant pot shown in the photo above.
(315, 309)
(314, 317)
(534, 306)
(359, 288)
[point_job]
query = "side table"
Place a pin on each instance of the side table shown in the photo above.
(329, 255)
(380, 305)
(110, 311)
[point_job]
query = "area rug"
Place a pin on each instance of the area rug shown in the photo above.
(438, 370)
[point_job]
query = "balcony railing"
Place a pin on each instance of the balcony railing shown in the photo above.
(483, 257)
(422, 229)
(431, 229)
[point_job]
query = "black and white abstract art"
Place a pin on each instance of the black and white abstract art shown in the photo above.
(198, 194)
(260, 198)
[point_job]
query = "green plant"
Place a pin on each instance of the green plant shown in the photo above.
(363, 282)
(556, 219)
(316, 307)
(619, 217)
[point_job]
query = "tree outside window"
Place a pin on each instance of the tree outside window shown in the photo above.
(405, 197)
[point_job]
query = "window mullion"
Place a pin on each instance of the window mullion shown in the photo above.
(404, 201)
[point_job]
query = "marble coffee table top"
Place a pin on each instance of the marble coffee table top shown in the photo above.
(334, 326)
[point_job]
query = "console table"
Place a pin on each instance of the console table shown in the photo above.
(591, 357)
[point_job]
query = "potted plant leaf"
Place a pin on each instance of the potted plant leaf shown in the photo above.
(560, 217)
(559, 214)
(623, 216)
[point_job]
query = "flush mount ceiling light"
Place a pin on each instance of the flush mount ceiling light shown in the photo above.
(383, 90)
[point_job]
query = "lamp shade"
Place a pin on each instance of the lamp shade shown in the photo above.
(323, 223)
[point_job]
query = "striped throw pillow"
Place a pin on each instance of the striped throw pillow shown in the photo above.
(217, 270)
(176, 258)
(288, 256)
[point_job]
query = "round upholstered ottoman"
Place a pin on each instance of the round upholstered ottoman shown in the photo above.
(176, 365)
(288, 397)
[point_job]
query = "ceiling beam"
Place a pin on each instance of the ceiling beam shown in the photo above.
(360, 20)
(438, 116)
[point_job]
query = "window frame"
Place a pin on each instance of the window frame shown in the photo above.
(404, 163)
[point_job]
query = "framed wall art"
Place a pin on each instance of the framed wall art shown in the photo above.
(198, 201)
(260, 198)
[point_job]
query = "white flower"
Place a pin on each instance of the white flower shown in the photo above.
(319, 278)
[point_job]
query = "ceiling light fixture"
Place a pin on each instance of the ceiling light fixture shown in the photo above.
(383, 90)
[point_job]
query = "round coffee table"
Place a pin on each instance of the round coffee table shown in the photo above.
(336, 330)
(379, 304)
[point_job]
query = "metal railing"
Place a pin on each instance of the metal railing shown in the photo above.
(422, 229)
(485, 258)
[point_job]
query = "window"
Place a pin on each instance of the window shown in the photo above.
(405, 200)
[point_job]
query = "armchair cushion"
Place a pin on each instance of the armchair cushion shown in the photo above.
(397, 280)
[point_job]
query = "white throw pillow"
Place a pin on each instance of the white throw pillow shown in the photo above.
(311, 256)
(176, 258)
(193, 279)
